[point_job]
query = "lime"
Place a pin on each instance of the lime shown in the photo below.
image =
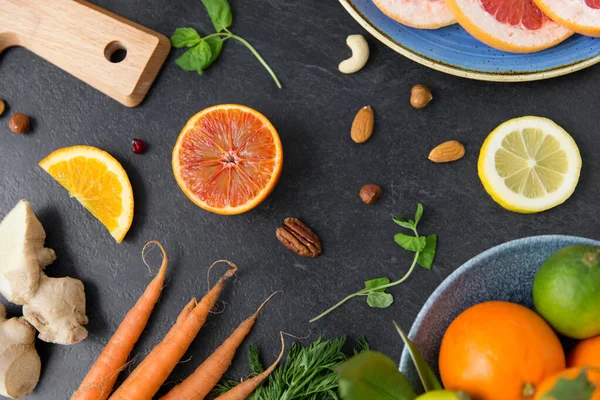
(566, 291)
(443, 395)
(529, 164)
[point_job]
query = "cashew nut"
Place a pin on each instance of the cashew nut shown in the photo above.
(360, 55)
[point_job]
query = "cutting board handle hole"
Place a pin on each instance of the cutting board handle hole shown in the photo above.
(115, 52)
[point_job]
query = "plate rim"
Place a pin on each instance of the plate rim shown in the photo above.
(463, 72)
(405, 357)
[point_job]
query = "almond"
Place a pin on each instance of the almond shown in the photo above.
(362, 127)
(447, 152)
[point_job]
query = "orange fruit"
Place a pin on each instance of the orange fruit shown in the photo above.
(585, 354)
(423, 14)
(227, 159)
(98, 182)
(579, 16)
(568, 384)
(499, 351)
(516, 26)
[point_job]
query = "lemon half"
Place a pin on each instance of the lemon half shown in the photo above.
(529, 164)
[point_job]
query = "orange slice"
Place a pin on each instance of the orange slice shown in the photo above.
(423, 14)
(98, 182)
(516, 26)
(227, 159)
(581, 16)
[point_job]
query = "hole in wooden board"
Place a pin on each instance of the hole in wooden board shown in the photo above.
(115, 52)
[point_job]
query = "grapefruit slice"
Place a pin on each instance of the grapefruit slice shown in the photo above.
(581, 16)
(227, 159)
(516, 26)
(423, 14)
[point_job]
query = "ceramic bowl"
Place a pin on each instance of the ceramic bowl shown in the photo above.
(505, 272)
(454, 51)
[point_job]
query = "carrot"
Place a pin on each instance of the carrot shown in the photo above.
(245, 389)
(148, 377)
(199, 384)
(101, 378)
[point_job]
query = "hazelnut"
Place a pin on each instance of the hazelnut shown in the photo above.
(420, 96)
(19, 123)
(370, 193)
(2, 107)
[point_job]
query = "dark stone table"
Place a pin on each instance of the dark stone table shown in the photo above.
(303, 41)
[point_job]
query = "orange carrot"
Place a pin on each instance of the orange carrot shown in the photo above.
(148, 377)
(245, 389)
(101, 378)
(199, 384)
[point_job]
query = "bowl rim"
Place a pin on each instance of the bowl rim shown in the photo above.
(458, 71)
(405, 359)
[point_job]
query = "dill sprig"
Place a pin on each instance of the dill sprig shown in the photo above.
(307, 374)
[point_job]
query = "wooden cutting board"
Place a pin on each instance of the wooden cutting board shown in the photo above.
(88, 42)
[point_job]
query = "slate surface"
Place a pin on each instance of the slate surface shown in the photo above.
(323, 171)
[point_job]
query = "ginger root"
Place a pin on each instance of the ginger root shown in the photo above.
(54, 306)
(20, 363)
(58, 310)
(22, 254)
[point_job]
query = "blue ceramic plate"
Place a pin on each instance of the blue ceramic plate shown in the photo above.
(505, 272)
(454, 51)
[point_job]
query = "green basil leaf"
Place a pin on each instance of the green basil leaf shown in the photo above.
(427, 255)
(185, 37)
(410, 243)
(379, 300)
(578, 388)
(428, 379)
(216, 45)
(201, 56)
(186, 62)
(371, 375)
(219, 12)
(403, 223)
(373, 283)
(419, 213)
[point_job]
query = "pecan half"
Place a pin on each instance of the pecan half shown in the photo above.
(299, 238)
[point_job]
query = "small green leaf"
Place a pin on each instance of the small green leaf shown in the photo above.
(186, 62)
(428, 378)
(419, 213)
(185, 37)
(371, 375)
(219, 12)
(373, 283)
(216, 45)
(405, 224)
(379, 300)
(427, 255)
(410, 243)
(254, 360)
(579, 388)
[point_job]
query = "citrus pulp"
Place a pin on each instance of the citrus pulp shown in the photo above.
(423, 14)
(566, 291)
(516, 26)
(581, 16)
(227, 159)
(98, 182)
(529, 164)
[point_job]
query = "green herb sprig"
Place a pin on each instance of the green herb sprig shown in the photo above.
(309, 372)
(204, 51)
(424, 248)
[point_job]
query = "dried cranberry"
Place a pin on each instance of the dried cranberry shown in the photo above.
(138, 146)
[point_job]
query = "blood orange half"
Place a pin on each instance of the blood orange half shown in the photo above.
(423, 14)
(582, 16)
(227, 159)
(516, 26)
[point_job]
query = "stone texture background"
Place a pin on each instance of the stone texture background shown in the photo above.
(323, 172)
